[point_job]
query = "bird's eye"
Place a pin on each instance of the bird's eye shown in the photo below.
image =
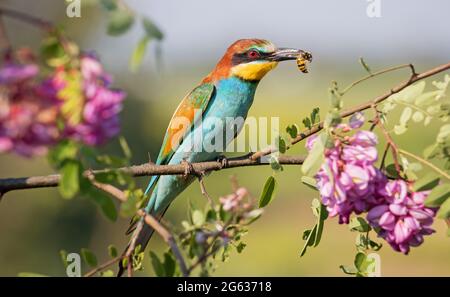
(253, 54)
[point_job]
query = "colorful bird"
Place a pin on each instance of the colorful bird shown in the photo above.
(227, 92)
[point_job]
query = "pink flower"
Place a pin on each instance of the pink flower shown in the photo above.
(233, 201)
(27, 111)
(401, 218)
(102, 106)
(348, 181)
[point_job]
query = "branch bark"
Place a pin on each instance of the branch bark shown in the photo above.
(9, 184)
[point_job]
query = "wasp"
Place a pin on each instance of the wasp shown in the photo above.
(301, 61)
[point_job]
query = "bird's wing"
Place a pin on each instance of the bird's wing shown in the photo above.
(182, 122)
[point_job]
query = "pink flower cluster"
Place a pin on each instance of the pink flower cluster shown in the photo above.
(349, 182)
(30, 107)
(234, 201)
(402, 218)
(100, 115)
(28, 111)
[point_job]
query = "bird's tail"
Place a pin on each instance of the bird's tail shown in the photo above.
(142, 235)
(142, 240)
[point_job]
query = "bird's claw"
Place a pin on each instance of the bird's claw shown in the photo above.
(188, 168)
(223, 161)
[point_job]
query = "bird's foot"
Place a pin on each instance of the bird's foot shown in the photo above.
(223, 161)
(188, 168)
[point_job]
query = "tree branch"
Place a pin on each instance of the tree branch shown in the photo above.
(9, 184)
(413, 78)
(168, 238)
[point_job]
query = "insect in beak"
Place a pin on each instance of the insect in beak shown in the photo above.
(302, 59)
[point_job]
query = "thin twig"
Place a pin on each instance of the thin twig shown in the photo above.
(425, 162)
(37, 22)
(30, 19)
(383, 71)
(110, 189)
(383, 159)
(412, 79)
(392, 146)
(167, 237)
(203, 189)
(103, 266)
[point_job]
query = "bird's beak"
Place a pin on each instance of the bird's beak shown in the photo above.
(283, 54)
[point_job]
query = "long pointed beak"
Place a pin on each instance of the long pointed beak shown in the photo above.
(283, 54)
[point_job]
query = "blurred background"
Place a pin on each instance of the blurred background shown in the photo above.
(36, 224)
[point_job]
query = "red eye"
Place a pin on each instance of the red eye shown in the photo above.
(253, 54)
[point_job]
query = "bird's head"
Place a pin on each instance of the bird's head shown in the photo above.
(251, 59)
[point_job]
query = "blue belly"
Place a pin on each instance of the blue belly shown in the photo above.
(232, 99)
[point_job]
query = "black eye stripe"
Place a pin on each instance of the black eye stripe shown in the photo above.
(240, 58)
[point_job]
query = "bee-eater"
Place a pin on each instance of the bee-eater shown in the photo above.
(227, 92)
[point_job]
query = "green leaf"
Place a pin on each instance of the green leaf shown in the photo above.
(444, 210)
(169, 264)
(69, 184)
(431, 151)
(112, 251)
(438, 195)
(31, 274)
(109, 5)
(360, 258)
(198, 219)
(105, 202)
(107, 273)
(275, 163)
(400, 129)
(240, 247)
(158, 267)
(309, 236)
(268, 192)
(315, 158)
(359, 224)
(410, 93)
(89, 257)
(336, 102)
(364, 65)
(119, 22)
(310, 182)
(374, 245)
(292, 130)
(63, 256)
(405, 116)
(348, 270)
(392, 172)
(62, 151)
(130, 206)
(315, 116)
(323, 215)
(53, 53)
(418, 116)
(332, 119)
(138, 53)
(281, 145)
(125, 147)
(428, 182)
(152, 30)
(307, 123)
(427, 98)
